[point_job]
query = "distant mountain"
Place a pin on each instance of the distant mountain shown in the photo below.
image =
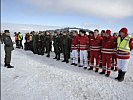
(26, 27)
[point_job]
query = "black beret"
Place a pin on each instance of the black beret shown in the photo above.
(6, 31)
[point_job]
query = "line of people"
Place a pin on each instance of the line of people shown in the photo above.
(109, 52)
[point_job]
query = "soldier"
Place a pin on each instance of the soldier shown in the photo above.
(56, 44)
(65, 47)
(40, 43)
(8, 49)
(34, 42)
(48, 43)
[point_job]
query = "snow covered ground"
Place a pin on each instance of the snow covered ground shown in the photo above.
(39, 78)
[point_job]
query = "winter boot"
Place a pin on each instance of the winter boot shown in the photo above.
(112, 68)
(116, 68)
(48, 56)
(103, 72)
(75, 64)
(91, 68)
(85, 67)
(96, 69)
(5, 65)
(55, 57)
(119, 73)
(9, 66)
(122, 75)
(67, 61)
(72, 63)
(80, 66)
(108, 73)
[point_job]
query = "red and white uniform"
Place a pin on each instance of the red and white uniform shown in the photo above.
(74, 48)
(107, 52)
(84, 45)
(95, 50)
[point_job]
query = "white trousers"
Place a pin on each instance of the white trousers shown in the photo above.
(83, 58)
(123, 64)
(74, 56)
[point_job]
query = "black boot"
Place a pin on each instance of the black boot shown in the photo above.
(9, 66)
(72, 63)
(67, 61)
(63, 60)
(80, 66)
(55, 57)
(91, 68)
(75, 64)
(85, 67)
(102, 72)
(48, 56)
(122, 75)
(116, 69)
(112, 68)
(5, 65)
(119, 73)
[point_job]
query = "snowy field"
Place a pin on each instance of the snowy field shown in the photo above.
(39, 78)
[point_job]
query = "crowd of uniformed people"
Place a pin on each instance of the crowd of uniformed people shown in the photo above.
(109, 51)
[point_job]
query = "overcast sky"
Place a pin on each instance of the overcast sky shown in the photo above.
(91, 14)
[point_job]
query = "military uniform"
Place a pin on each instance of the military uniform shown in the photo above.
(48, 44)
(8, 49)
(57, 47)
(66, 48)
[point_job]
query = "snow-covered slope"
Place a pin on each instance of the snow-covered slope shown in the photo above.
(39, 78)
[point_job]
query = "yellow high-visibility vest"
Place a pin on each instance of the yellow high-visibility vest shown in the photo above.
(20, 36)
(30, 37)
(124, 44)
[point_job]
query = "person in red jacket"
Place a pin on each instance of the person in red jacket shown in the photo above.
(102, 35)
(114, 56)
(84, 44)
(107, 51)
(95, 50)
(124, 46)
(74, 48)
(91, 33)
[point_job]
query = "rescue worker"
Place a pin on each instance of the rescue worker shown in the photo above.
(114, 56)
(95, 50)
(48, 43)
(74, 48)
(107, 51)
(65, 46)
(84, 45)
(16, 39)
(27, 42)
(8, 49)
(57, 46)
(20, 38)
(124, 46)
(102, 35)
